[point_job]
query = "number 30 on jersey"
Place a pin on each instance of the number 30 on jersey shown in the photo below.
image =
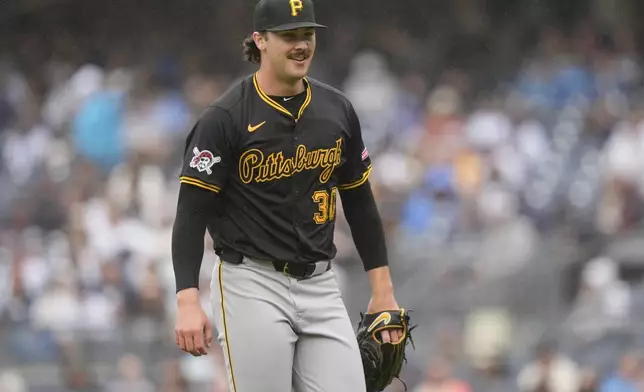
(326, 205)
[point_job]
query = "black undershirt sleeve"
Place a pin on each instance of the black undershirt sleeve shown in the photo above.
(362, 215)
(194, 208)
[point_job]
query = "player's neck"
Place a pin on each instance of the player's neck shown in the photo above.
(272, 85)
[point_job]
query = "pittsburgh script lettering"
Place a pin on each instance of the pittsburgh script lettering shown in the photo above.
(254, 166)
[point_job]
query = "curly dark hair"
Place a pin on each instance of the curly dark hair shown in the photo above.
(251, 51)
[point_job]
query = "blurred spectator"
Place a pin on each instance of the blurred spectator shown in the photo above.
(440, 133)
(131, 376)
(77, 379)
(502, 226)
(154, 120)
(97, 126)
(603, 303)
(101, 312)
(627, 377)
(173, 379)
(488, 127)
(16, 92)
(621, 158)
(12, 381)
(61, 104)
(432, 210)
(26, 147)
(487, 338)
(492, 375)
(589, 381)
(439, 378)
(58, 310)
(549, 371)
(372, 89)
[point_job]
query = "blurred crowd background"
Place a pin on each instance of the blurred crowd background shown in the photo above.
(508, 144)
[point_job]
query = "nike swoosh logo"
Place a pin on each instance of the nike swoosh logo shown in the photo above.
(386, 317)
(256, 127)
(288, 99)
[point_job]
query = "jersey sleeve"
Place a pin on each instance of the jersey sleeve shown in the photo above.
(357, 166)
(209, 151)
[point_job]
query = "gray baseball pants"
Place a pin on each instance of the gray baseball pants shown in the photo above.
(282, 334)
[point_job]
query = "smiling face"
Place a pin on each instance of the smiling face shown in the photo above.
(288, 54)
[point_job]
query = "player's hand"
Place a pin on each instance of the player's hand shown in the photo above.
(193, 331)
(381, 303)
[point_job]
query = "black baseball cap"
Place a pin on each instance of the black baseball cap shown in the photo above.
(280, 15)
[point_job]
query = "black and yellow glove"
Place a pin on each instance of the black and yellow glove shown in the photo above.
(382, 362)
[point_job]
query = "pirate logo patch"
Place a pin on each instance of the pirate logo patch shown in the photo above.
(203, 160)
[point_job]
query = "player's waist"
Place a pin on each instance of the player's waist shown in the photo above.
(299, 270)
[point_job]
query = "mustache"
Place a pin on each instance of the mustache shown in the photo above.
(300, 53)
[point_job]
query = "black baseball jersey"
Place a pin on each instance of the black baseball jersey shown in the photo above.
(277, 164)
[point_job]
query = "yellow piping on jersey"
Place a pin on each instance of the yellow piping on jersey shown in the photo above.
(355, 184)
(199, 183)
(279, 107)
(223, 315)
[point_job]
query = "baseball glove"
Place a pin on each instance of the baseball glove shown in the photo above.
(382, 362)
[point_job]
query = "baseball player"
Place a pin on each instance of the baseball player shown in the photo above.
(263, 167)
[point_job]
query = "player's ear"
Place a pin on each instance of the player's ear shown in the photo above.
(260, 40)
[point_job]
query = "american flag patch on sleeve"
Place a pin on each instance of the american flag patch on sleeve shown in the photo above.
(365, 154)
